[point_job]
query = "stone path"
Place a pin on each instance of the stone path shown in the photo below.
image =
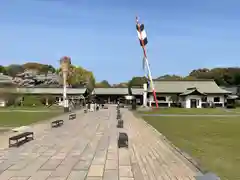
(86, 149)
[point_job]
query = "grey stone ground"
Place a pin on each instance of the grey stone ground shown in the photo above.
(86, 149)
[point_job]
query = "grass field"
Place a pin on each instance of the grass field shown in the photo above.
(217, 111)
(211, 141)
(31, 108)
(17, 118)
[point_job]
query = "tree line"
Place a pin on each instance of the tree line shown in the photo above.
(77, 77)
(14, 69)
(229, 76)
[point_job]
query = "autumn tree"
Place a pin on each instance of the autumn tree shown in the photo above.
(32, 66)
(41, 68)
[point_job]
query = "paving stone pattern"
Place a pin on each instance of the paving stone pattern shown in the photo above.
(86, 149)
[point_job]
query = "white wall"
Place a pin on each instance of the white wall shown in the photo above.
(167, 96)
(2, 103)
(187, 103)
(210, 98)
(151, 98)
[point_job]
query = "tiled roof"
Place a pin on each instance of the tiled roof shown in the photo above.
(48, 76)
(137, 91)
(180, 86)
(51, 90)
(190, 91)
(233, 90)
(5, 79)
(109, 91)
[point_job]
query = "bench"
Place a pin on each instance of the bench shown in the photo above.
(122, 140)
(119, 116)
(120, 123)
(20, 139)
(57, 123)
(72, 116)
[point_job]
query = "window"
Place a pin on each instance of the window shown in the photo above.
(161, 98)
(216, 99)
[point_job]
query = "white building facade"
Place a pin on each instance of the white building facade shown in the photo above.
(188, 94)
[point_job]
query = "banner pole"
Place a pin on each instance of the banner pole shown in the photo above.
(146, 60)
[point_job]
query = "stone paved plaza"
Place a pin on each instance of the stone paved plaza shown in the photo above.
(86, 149)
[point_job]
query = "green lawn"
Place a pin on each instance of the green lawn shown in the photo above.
(216, 111)
(211, 141)
(15, 119)
(32, 108)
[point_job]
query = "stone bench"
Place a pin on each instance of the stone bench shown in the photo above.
(72, 116)
(57, 123)
(120, 123)
(122, 140)
(119, 116)
(20, 139)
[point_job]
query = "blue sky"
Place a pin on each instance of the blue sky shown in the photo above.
(101, 35)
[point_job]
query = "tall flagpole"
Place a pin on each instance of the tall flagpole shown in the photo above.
(146, 60)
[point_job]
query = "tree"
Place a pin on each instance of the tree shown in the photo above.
(32, 66)
(3, 69)
(120, 85)
(199, 72)
(169, 77)
(90, 81)
(47, 68)
(189, 78)
(41, 68)
(174, 98)
(103, 84)
(137, 81)
(14, 69)
(79, 77)
(222, 76)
